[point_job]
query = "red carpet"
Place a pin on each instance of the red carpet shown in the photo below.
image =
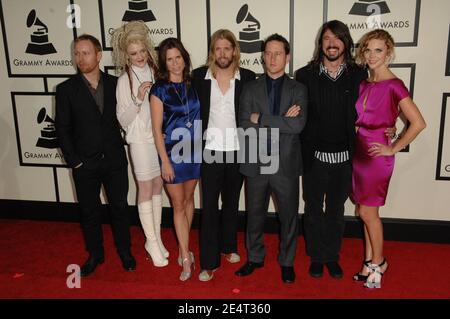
(34, 257)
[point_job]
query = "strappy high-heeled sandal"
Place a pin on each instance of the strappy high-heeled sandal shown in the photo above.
(180, 260)
(375, 276)
(185, 275)
(360, 277)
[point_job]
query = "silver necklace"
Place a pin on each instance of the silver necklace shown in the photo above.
(185, 105)
(152, 79)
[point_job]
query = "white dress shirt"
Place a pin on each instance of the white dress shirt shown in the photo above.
(221, 134)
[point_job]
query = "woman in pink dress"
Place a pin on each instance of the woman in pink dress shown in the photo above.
(382, 97)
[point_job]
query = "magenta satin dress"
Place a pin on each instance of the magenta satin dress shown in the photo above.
(371, 175)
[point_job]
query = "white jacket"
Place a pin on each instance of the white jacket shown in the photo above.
(135, 120)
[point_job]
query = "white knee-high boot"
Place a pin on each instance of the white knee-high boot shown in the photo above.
(157, 211)
(151, 244)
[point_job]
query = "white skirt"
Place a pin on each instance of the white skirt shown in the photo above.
(145, 163)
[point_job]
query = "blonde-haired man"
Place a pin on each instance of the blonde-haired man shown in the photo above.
(219, 84)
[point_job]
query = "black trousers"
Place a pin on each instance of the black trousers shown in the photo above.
(88, 184)
(218, 230)
(324, 228)
(286, 191)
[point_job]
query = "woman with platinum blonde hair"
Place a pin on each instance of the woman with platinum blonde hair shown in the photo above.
(134, 56)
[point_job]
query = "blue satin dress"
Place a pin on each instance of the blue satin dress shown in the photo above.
(181, 125)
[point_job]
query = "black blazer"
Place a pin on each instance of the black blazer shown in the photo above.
(203, 88)
(86, 135)
(254, 99)
(309, 76)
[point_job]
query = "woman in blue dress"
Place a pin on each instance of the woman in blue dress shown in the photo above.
(175, 111)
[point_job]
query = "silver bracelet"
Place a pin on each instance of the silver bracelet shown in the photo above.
(135, 102)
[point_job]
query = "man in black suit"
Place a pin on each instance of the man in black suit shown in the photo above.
(219, 87)
(92, 145)
(276, 102)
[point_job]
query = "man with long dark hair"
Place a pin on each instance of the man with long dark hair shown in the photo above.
(332, 79)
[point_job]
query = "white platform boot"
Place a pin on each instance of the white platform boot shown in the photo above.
(157, 211)
(151, 244)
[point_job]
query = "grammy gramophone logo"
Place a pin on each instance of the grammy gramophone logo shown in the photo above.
(249, 37)
(369, 7)
(39, 43)
(138, 10)
(48, 138)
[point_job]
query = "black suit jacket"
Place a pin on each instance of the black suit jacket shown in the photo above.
(254, 99)
(309, 76)
(203, 88)
(86, 135)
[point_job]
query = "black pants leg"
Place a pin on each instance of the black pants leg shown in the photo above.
(212, 177)
(324, 228)
(339, 187)
(218, 232)
(286, 190)
(115, 182)
(231, 192)
(87, 186)
(258, 191)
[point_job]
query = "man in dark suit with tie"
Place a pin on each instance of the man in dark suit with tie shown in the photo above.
(219, 87)
(275, 102)
(92, 145)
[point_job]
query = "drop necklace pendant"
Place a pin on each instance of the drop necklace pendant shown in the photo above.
(185, 105)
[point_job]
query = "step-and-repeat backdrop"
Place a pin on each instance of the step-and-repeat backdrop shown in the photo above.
(36, 55)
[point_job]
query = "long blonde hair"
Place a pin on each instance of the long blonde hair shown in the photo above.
(229, 36)
(131, 32)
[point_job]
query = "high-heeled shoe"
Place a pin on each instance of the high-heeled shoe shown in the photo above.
(375, 276)
(180, 260)
(360, 277)
(185, 275)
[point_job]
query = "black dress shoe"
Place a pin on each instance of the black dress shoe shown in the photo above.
(90, 265)
(248, 268)
(287, 274)
(316, 269)
(128, 262)
(335, 270)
